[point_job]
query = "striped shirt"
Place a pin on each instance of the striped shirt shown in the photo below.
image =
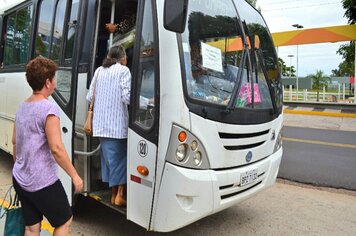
(112, 95)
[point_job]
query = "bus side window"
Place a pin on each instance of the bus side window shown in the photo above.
(9, 40)
(55, 35)
(17, 37)
(68, 53)
(146, 72)
(2, 43)
(58, 31)
(43, 35)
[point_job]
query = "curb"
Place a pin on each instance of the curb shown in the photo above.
(319, 113)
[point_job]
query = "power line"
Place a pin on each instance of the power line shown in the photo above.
(286, 1)
(304, 6)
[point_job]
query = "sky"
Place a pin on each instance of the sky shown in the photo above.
(280, 15)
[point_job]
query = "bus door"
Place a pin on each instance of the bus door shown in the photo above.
(1, 42)
(57, 43)
(122, 14)
(144, 115)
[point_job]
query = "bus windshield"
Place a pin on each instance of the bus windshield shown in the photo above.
(229, 54)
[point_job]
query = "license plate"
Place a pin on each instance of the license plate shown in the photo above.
(249, 177)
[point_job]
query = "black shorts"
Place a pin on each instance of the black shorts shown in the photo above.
(51, 202)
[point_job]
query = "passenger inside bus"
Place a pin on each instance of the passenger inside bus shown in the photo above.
(122, 28)
(207, 84)
(110, 125)
(215, 83)
(110, 30)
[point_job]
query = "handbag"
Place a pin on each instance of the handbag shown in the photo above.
(14, 222)
(88, 124)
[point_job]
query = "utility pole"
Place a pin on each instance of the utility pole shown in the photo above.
(298, 26)
(290, 69)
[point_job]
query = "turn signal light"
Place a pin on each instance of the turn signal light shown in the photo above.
(182, 136)
(142, 170)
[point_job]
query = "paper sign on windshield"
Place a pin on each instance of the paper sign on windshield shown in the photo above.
(211, 57)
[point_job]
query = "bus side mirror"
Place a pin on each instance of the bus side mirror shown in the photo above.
(175, 15)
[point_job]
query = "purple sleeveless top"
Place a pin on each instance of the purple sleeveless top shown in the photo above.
(35, 167)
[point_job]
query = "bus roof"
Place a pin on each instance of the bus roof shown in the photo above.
(6, 5)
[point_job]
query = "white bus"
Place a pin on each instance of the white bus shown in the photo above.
(212, 136)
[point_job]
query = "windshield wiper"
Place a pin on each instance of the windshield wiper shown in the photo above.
(231, 105)
(253, 62)
(268, 80)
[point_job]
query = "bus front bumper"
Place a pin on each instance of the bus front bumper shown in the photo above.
(187, 195)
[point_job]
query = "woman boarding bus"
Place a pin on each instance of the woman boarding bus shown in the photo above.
(209, 136)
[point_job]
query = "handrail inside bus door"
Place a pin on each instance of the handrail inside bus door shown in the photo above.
(86, 173)
(92, 153)
(82, 153)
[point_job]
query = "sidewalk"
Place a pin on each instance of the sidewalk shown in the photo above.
(310, 117)
(319, 111)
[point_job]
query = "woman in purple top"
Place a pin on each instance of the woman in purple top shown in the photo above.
(38, 150)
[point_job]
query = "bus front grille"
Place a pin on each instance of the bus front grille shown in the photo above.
(231, 190)
(243, 141)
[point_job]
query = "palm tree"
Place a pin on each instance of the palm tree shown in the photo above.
(319, 81)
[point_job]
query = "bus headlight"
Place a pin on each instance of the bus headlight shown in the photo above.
(186, 150)
(181, 152)
(197, 158)
(278, 144)
(194, 145)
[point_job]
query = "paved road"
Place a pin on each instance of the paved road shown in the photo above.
(284, 209)
(320, 157)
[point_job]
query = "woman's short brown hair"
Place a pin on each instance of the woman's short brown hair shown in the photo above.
(38, 70)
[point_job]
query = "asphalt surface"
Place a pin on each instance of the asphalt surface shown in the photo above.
(319, 157)
(287, 208)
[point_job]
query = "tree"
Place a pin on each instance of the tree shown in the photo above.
(286, 71)
(252, 2)
(350, 13)
(347, 51)
(319, 81)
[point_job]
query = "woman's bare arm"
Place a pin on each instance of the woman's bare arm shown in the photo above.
(13, 140)
(60, 154)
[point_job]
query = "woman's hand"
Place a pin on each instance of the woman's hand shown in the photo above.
(110, 27)
(78, 184)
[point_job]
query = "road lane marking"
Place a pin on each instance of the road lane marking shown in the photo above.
(46, 226)
(319, 113)
(319, 142)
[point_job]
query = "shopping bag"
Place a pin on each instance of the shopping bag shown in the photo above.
(14, 223)
(13, 216)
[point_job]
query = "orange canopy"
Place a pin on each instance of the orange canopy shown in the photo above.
(233, 44)
(317, 35)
